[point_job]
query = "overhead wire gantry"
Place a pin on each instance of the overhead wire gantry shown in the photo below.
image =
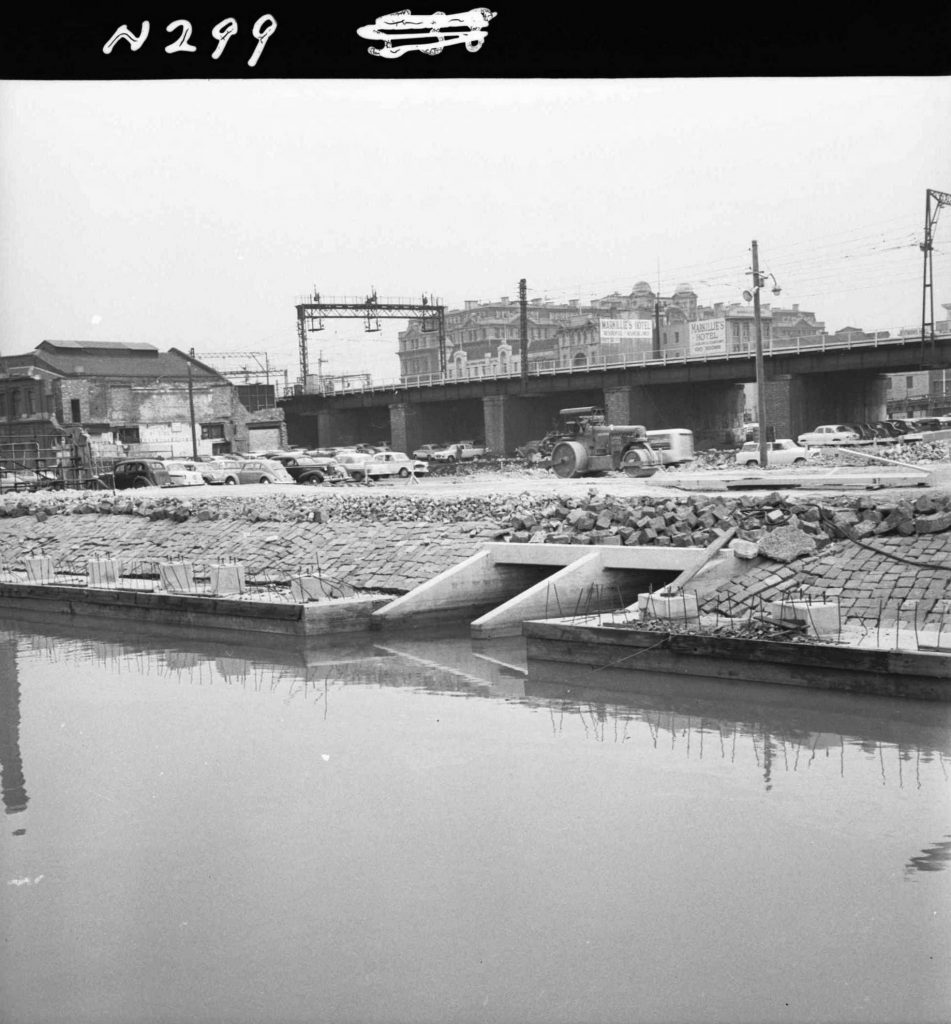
(314, 310)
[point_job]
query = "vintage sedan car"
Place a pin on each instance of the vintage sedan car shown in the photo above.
(829, 433)
(908, 431)
(313, 469)
(140, 473)
(426, 451)
(264, 471)
(184, 474)
(219, 470)
(784, 452)
(361, 466)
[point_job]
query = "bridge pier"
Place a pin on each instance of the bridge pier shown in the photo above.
(714, 413)
(796, 403)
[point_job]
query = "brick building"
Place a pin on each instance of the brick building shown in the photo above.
(120, 393)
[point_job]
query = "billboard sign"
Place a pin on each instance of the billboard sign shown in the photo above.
(708, 338)
(625, 338)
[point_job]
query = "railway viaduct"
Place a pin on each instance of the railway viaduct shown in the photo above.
(834, 381)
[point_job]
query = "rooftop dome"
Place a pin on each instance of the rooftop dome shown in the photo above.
(684, 288)
(641, 288)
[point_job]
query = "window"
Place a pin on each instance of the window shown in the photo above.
(127, 435)
(3, 404)
(74, 411)
(909, 382)
(212, 431)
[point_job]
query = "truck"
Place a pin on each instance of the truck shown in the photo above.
(590, 447)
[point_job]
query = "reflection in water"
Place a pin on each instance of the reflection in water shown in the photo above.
(777, 729)
(785, 729)
(11, 765)
(934, 858)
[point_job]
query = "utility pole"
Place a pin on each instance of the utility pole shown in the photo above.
(760, 363)
(191, 403)
(927, 282)
(523, 330)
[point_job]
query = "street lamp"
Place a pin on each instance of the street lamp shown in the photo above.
(759, 281)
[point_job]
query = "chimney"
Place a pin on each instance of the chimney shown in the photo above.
(504, 299)
(471, 303)
(574, 303)
(795, 307)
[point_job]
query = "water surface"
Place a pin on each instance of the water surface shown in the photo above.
(416, 830)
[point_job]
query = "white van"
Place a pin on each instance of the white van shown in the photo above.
(674, 446)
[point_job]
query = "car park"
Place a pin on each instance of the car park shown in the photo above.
(312, 469)
(263, 471)
(828, 433)
(784, 452)
(150, 472)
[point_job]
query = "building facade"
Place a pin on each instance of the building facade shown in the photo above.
(128, 395)
(483, 338)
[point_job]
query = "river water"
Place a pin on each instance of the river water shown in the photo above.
(414, 829)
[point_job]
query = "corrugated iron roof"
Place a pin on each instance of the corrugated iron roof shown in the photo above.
(120, 359)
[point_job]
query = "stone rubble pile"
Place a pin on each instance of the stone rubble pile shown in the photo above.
(918, 452)
(774, 526)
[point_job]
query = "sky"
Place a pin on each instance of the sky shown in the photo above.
(197, 213)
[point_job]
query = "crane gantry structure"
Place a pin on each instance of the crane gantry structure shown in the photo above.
(314, 310)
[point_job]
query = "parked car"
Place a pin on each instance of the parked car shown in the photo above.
(864, 430)
(784, 452)
(426, 450)
(829, 433)
(361, 466)
(263, 471)
(907, 430)
(312, 469)
(140, 473)
(929, 423)
(219, 470)
(184, 474)
(458, 452)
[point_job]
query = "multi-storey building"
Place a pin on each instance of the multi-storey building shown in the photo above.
(483, 338)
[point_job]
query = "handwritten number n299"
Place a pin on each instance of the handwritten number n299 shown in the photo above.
(262, 31)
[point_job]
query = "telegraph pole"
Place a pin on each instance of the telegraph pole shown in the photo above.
(927, 286)
(523, 330)
(760, 362)
(191, 404)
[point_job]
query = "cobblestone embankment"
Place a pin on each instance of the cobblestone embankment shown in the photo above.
(877, 558)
